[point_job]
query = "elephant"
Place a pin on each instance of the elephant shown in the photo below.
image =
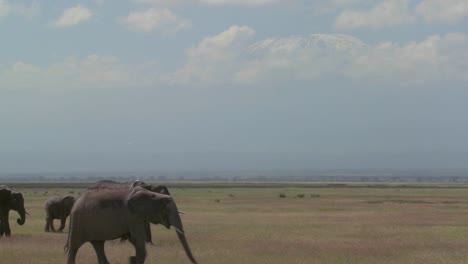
(106, 214)
(10, 200)
(58, 207)
(109, 184)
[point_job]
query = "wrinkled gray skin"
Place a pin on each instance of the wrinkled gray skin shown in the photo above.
(10, 200)
(106, 214)
(109, 184)
(58, 207)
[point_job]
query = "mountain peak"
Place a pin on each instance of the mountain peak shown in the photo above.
(338, 42)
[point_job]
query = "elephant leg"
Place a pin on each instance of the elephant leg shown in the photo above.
(6, 228)
(4, 224)
(47, 225)
(140, 249)
(148, 233)
(52, 228)
(62, 224)
(132, 258)
(99, 248)
(72, 251)
(72, 255)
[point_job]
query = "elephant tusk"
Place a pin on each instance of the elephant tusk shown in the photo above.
(180, 212)
(179, 231)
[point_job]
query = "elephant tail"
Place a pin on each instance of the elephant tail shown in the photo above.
(66, 248)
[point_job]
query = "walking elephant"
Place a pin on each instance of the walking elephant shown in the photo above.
(106, 214)
(109, 184)
(10, 200)
(58, 207)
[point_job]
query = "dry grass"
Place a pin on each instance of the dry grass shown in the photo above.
(255, 225)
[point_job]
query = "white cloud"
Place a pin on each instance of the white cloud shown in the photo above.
(234, 56)
(30, 10)
(448, 11)
(331, 6)
(73, 16)
(152, 19)
(213, 2)
(77, 73)
(239, 2)
(4, 8)
(21, 67)
(435, 58)
(345, 3)
(354, 14)
(214, 57)
(386, 13)
(26, 10)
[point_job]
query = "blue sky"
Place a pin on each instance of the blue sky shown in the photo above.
(233, 85)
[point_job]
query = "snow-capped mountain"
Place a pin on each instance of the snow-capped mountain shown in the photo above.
(337, 42)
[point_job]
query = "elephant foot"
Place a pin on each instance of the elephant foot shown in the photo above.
(133, 260)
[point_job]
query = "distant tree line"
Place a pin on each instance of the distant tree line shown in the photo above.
(242, 178)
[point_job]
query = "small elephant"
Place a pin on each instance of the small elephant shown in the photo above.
(10, 200)
(106, 214)
(58, 207)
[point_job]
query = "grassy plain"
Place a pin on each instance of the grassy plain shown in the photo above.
(329, 224)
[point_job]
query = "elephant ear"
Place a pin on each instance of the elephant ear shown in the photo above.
(139, 202)
(139, 183)
(69, 197)
(160, 189)
(68, 200)
(142, 184)
(5, 195)
(145, 203)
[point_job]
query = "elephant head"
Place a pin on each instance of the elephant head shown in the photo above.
(154, 188)
(160, 189)
(68, 202)
(13, 200)
(159, 209)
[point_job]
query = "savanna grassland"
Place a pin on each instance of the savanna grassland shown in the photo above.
(307, 223)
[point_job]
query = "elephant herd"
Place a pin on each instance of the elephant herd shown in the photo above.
(106, 210)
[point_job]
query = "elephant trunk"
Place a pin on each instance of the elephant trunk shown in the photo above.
(176, 222)
(183, 241)
(22, 218)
